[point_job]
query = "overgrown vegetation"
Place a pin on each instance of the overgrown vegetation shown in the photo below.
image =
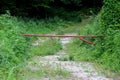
(107, 50)
(109, 26)
(14, 48)
(56, 14)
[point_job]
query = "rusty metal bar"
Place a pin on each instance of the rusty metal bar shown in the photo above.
(66, 36)
(86, 41)
(50, 35)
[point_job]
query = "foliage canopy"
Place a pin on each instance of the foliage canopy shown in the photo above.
(42, 7)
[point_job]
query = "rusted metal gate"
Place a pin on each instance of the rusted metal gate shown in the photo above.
(66, 36)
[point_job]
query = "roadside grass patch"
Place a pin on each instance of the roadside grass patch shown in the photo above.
(40, 71)
(47, 47)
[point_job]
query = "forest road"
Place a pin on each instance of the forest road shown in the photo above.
(79, 70)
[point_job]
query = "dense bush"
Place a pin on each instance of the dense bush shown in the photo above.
(13, 47)
(109, 50)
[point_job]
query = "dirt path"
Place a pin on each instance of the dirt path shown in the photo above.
(79, 70)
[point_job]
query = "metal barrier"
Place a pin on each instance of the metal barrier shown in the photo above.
(66, 36)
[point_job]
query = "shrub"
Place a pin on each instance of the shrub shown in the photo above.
(110, 27)
(13, 47)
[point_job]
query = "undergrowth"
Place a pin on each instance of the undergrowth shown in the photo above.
(107, 50)
(14, 48)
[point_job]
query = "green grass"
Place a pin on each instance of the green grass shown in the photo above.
(76, 27)
(49, 46)
(78, 50)
(39, 71)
